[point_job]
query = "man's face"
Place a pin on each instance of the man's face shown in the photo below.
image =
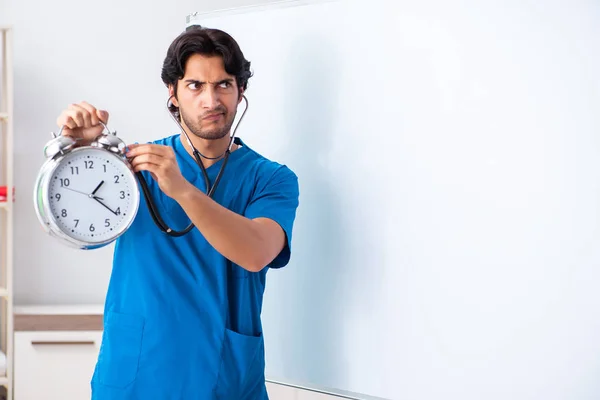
(207, 97)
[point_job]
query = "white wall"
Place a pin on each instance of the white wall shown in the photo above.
(4, 12)
(63, 51)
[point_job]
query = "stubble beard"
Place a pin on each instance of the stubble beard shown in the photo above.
(195, 126)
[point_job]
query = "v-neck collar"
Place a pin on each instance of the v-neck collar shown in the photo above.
(192, 171)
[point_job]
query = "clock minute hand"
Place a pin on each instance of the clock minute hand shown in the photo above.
(97, 199)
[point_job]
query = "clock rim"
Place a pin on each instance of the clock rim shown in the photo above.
(46, 217)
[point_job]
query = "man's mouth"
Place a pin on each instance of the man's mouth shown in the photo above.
(212, 117)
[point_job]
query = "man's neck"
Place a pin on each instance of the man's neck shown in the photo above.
(208, 148)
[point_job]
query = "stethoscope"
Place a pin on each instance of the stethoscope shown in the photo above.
(210, 189)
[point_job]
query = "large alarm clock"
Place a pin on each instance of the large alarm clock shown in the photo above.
(86, 195)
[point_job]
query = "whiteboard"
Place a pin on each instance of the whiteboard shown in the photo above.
(447, 243)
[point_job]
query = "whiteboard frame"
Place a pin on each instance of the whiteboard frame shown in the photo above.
(196, 18)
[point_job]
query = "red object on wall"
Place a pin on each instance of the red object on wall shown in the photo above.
(4, 193)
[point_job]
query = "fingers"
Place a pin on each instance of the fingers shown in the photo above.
(74, 119)
(89, 112)
(151, 157)
(95, 115)
(154, 169)
(82, 115)
(69, 119)
(102, 116)
(140, 149)
(147, 159)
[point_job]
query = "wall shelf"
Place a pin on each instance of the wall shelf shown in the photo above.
(6, 209)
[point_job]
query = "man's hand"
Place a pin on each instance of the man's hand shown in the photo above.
(82, 121)
(160, 161)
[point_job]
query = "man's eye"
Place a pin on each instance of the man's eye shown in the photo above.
(225, 85)
(194, 86)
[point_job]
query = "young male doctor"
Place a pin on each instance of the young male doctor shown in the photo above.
(182, 314)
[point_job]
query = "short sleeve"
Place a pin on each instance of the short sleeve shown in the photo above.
(277, 199)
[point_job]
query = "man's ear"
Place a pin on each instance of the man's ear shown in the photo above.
(241, 96)
(172, 96)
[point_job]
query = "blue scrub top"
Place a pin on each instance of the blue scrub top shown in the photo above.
(181, 321)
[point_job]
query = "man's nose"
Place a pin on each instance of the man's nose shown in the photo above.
(210, 98)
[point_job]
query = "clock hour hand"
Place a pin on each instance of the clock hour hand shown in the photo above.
(86, 194)
(97, 187)
(98, 200)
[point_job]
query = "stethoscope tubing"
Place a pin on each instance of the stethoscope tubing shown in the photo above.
(210, 189)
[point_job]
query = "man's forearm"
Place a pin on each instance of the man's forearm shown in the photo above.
(251, 244)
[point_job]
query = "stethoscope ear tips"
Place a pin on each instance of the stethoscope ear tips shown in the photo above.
(172, 109)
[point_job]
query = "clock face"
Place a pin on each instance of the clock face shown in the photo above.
(93, 195)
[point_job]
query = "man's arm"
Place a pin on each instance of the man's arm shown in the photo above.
(249, 243)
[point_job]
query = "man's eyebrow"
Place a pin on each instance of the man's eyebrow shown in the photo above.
(202, 83)
(194, 81)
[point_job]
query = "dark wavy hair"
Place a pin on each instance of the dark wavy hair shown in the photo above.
(208, 42)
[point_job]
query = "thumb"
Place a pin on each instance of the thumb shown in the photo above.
(102, 115)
